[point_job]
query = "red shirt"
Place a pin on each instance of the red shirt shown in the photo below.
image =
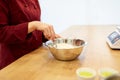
(14, 38)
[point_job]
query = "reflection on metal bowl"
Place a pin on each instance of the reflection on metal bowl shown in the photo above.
(66, 49)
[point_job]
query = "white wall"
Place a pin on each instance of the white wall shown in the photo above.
(64, 13)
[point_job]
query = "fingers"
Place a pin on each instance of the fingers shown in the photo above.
(49, 32)
(52, 33)
(57, 36)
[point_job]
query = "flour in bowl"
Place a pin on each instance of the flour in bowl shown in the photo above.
(64, 46)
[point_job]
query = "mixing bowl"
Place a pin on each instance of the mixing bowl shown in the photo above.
(66, 49)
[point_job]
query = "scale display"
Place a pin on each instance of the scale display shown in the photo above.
(113, 39)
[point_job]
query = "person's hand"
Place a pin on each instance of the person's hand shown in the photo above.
(47, 29)
(57, 36)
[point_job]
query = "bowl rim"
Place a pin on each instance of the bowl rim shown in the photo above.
(47, 43)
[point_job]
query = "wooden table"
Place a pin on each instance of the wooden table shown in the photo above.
(41, 65)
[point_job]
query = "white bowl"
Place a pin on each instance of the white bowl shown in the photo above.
(106, 72)
(86, 74)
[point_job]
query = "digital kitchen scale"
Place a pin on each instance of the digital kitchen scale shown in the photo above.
(113, 39)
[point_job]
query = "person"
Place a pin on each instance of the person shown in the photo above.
(21, 29)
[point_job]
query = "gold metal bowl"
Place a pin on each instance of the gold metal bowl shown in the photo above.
(66, 49)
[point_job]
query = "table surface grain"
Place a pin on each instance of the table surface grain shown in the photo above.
(41, 65)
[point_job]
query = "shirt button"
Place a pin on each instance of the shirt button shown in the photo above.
(26, 5)
(35, 7)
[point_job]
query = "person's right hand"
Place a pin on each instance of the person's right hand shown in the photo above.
(47, 29)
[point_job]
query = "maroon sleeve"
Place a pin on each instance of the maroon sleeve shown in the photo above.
(44, 39)
(11, 34)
